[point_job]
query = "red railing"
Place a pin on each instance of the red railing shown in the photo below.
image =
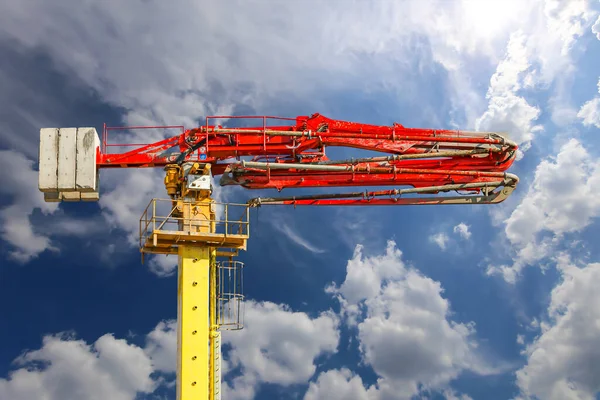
(105, 133)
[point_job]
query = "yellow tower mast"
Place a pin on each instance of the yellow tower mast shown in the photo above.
(204, 297)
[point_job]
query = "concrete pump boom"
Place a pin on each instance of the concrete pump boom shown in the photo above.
(270, 153)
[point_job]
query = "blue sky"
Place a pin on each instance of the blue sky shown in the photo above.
(488, 302)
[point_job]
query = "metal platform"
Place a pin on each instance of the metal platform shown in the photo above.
(165, 225)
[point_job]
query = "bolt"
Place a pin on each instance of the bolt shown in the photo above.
(194, 308)
(194, 358)
(193, 383)
(194, 332)
(194, 283)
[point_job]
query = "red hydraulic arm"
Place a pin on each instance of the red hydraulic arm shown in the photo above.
(290, 153)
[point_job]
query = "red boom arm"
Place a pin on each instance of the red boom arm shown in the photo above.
(293, 156)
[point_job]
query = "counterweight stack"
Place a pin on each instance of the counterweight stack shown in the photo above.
(424, 166)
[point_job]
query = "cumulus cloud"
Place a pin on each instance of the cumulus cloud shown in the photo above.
(462, 230)
(554, 40)
(404, 328)
(28, 239)
(19, 183)
(562, 362)
(568, 20)
(278, 346)
(65, 368)
(452, 395)
(441, 239)
(344, 384)
(161, 346)
(562, 199)
(508, 112)
(124, 203)
(163, 265)
(555, 36)
(589, 112)
(596, 28)
(337, 384)
(538, 56)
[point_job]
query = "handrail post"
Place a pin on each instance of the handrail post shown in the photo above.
(140, 230)
(265, 134)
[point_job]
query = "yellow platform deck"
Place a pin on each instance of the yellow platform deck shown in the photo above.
(166, 242)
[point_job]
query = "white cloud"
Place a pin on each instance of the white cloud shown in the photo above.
(596, 28)
(19, 183)
(452, 395)
(441, 239)
(123, 205)
(65, 369)
(404, 329)
(277, 345)
(171, 91)
(568, 20)
(163, 265)
(365, 275)
(555, 35)
(562, 362)
(294, 237)
(337, 384)
(590, 111)
(462, 230)
(554, 42)
(562, 199)
(507, 112)
(538, 57)
(62, 225)
(161, 346)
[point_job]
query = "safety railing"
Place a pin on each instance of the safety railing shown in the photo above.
(236, 124)
(142, 136)
(165, 217)
(230, 295)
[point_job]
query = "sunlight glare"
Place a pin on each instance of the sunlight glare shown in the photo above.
(489, 18)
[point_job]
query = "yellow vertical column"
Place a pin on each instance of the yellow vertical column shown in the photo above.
(215, 335)
(193, 323)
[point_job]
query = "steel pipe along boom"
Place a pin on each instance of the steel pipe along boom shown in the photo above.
(489, 196)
